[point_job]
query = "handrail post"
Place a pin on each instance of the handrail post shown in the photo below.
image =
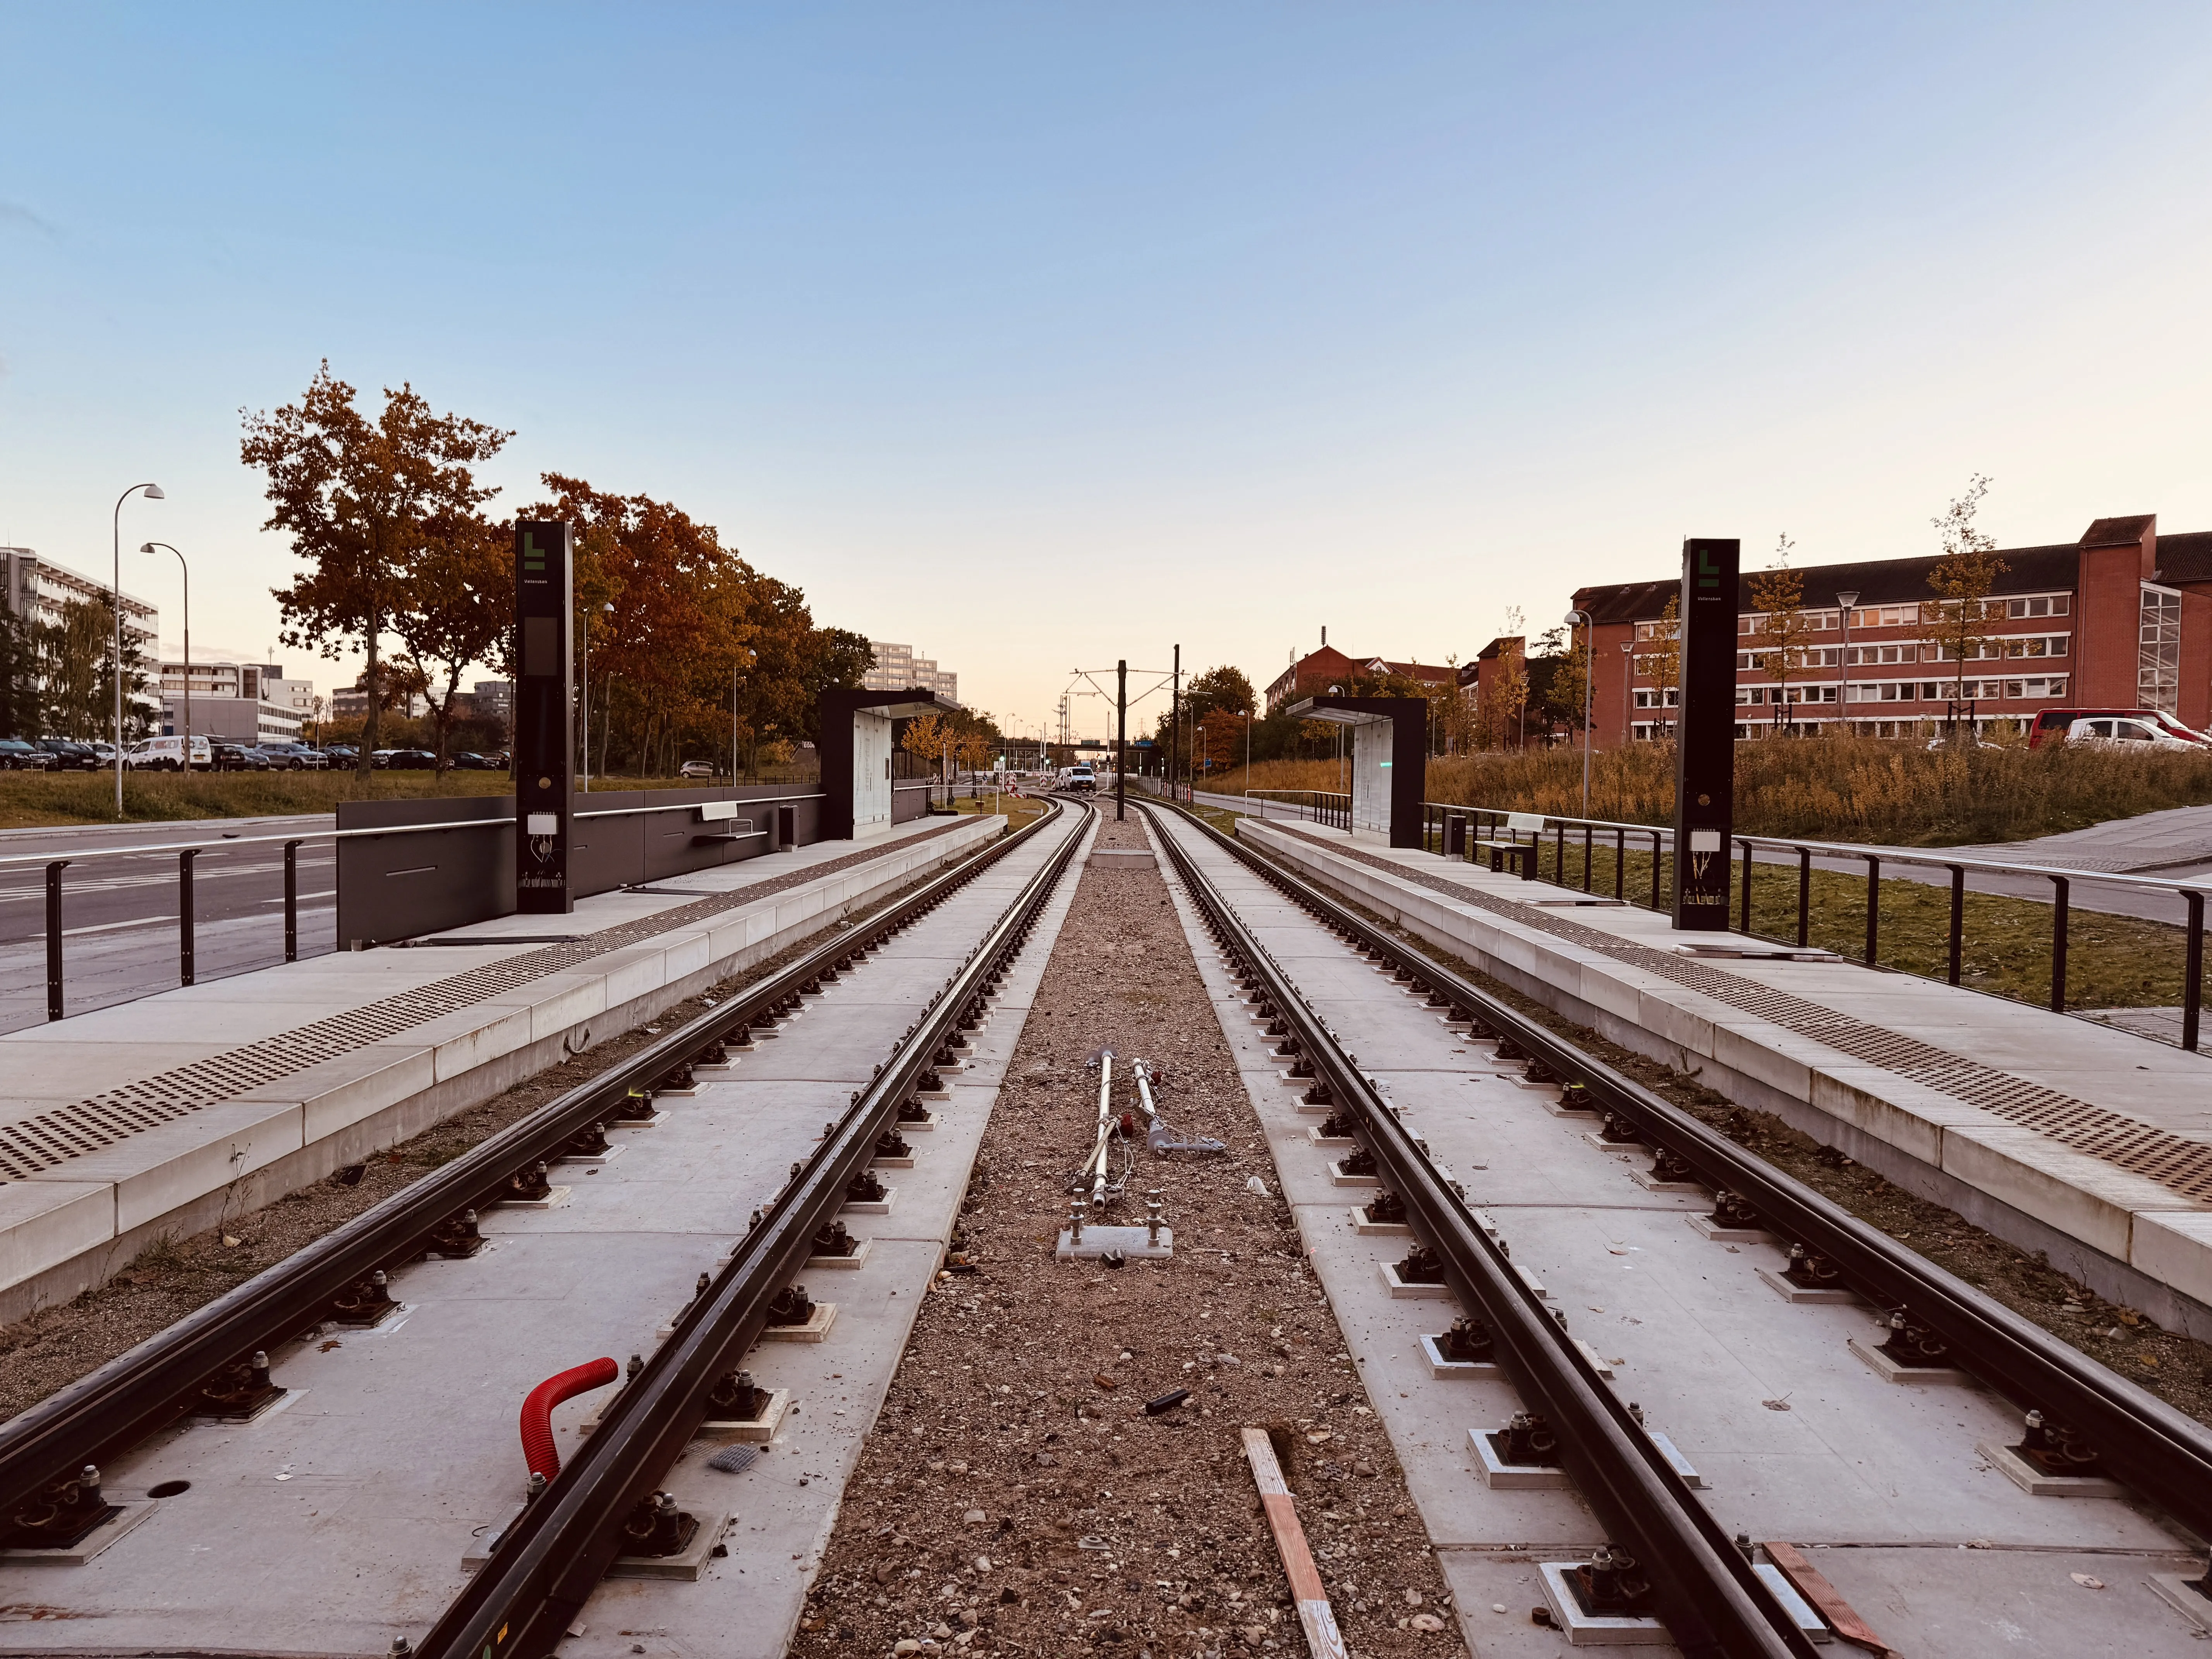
(1743, 927)
(185, 912)
(1655, 869)
(1620, 865)
(1874, 906)
(2192, 992)
(2061, 887)
(1958, 920)
(1560, 853)
(291, 901)
(54, 938)
(1804, 897)
(1586, 858)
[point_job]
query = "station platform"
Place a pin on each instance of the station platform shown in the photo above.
(2054, 1133)
(162, 1115)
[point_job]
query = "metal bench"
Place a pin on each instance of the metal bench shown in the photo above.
(1510, 850)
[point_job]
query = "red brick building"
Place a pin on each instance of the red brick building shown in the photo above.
(1312, 675)
(2122, 618)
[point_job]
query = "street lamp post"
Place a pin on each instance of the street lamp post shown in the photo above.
(1582, 619)
(147, 548)
(1846, 597)
(153, 493)
(584, 646)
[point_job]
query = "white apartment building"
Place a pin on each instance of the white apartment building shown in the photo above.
(895, 668)
(37, 588)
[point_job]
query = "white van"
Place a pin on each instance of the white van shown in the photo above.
(166, 754)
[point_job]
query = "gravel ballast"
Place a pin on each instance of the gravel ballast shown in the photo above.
(1015, 1495)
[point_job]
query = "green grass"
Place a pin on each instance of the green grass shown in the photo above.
(30, 800)
(2112, 962)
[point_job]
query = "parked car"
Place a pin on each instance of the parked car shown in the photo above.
(697, 769)
(69, 756)
(408, 760)
(295, 756)
(235, 757)
(467, 760)
(2111, 730)
(2060, 722)
(166, 754)
(341, 754)
(17, 755)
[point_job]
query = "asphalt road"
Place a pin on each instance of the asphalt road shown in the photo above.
(119, 922)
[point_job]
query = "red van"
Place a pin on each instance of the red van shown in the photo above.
(2055, 721)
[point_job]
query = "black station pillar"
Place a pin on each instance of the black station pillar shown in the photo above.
(1704, 735)
(544, 719)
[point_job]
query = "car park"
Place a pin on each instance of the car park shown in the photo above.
(17, 756)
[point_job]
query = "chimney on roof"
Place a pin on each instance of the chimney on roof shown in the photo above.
(1324, 636)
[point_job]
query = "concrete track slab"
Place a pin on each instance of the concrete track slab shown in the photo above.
(1943, 1117)
(1839, 1454)
(399, 1066)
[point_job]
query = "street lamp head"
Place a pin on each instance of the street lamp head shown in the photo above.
(145, 547)
(1847, 597)
(153, 493)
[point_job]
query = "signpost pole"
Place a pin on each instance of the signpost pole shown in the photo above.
(1704, 742)
(544, 717)
(1121, 740)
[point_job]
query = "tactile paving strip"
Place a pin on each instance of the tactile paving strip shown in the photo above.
(38, 1144)
(2183, 1166)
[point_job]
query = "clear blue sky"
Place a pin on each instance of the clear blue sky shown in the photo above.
(1039, 336)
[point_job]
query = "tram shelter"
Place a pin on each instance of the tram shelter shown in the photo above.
(1389, 760)
(855, 743)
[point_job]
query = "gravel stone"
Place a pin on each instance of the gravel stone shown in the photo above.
(1035, 1372)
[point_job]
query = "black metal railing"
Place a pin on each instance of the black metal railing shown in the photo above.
(1328, 807)
(187, 852)
(1461, 832)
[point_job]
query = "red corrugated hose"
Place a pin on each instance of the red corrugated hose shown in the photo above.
(537, 1411)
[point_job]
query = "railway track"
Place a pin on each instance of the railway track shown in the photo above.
(543, 1563)
(1405, 1066)
(1704, 1587)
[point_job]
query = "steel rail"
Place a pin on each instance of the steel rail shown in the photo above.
(147, 1387)
(2147, 1445)
(554, 1554)
(1705, 1590)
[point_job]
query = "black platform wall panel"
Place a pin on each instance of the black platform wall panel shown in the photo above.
(431, 880)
